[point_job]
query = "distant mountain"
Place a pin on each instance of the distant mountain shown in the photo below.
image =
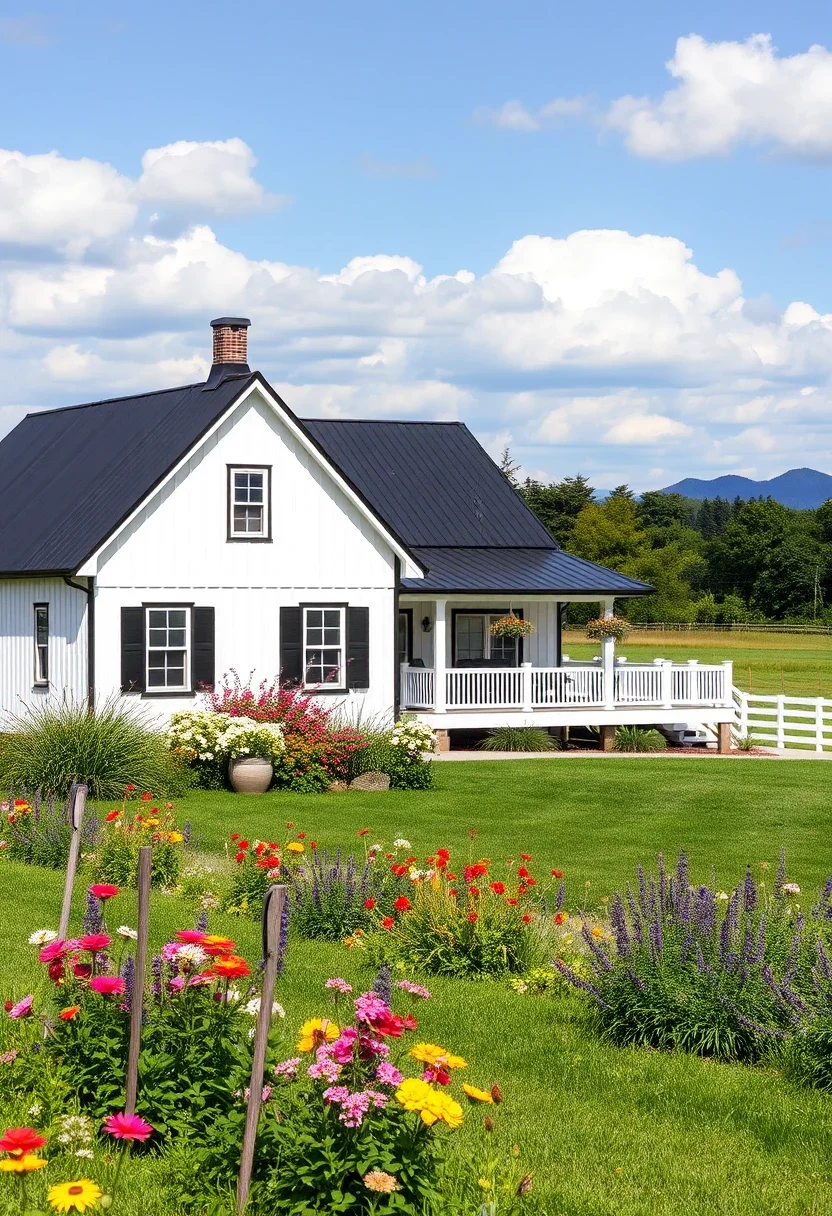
(802, 488)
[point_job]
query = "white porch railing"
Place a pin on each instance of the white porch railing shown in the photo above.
(527, 688)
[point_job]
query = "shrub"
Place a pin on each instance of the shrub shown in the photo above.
(470, 925)
(519, 739)
(124, 832)
(39, 833)
(682, 973)
(399, 753)
(107, 749)
(638, 739)
(356, 1133)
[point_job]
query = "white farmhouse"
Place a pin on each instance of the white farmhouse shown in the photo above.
(150, 543)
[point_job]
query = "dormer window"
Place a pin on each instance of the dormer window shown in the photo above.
(249, 502)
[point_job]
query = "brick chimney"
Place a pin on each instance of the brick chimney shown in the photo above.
(231, 342)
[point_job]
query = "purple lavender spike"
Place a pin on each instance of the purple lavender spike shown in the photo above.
(128, 974)
(662, 882)
(733, 911)
(283, 940)
(683, 871)
(749, 892)
(700, 960)
(156, 972)
(186, 831)
(823, 961)
(597, 950)
(618, 920)
(202, 921)
(748, 944)
(92, 916)
(656, 940)
(577, 982)
(636, 980)
(724, 937)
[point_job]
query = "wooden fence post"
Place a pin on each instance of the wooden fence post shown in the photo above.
(272, 916)
(137, 998)
(77, 803)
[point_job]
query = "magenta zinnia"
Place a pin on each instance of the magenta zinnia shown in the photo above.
(108, 985)
(127, 1127)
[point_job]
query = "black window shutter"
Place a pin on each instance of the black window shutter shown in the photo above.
(132, 650)
(358, 648)
(203, 648)
(291, 646)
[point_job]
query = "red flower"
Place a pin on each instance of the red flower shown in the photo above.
(363, 831)
(450, 877)
(21, 1140)
(402, 904)
(127, 1127)
(474, 891)
(369, 904)
(560, 917)
(260, 848)
(190, 937)
(231, 967)
(478, 870)
(441, 862)
(526, 856)
(108, 985)
(8, 1006)
(410, 860)
(473, 917)
(55, 950)
(526, 918)
(131, 789)
(82, 971)
(399, 870)
(531, 882)
(388, 922)
(94, 942)
(301, 835)
(238, 857)
(522, 872)
(313, 844)
(453, 891)
(557, 873)
(499, 888)
(512, 902)
(55, 971)
(243, 844)
(521, 890)
(443, 853)
(103, 890)
(66, 1015)
(146, 797)
(215, 945)
(111, 816)
(234, 836)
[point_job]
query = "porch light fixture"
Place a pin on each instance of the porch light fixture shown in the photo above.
(427, 624)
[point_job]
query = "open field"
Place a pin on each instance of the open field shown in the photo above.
(604, 1131)
(795, 664)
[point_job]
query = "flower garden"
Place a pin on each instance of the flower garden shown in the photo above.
(475, 1013)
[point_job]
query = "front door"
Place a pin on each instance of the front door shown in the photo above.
(475, 646)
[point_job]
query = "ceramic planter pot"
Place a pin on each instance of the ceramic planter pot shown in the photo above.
(250, 774)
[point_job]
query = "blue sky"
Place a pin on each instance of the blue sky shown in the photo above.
(379, 132)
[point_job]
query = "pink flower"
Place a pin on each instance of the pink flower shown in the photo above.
(413, 989)
(170, 950)
(324, 1070)
(108, 985)
(94, 942)
(341, 1050)
(103, 890)
(55, 950)
(339, 985)
(388, 1074)
(369, 1006)
(190, 937)
(22, 1009)
(287, 1068)
(177, 983)
(127, 1127)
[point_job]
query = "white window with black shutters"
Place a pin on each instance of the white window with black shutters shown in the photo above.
(249, 508)
(323, 640)
(168, 634)
(41, 644)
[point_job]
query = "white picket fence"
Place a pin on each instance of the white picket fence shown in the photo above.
(784, 721)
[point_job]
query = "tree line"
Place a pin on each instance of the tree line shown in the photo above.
(710, 561)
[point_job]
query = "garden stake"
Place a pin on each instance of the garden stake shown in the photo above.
(145, 855)
(77, 803)
(272, 916)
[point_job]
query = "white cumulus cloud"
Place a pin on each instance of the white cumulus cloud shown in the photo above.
(213, 176)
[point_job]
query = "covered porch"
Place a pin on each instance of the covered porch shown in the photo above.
(455, 674)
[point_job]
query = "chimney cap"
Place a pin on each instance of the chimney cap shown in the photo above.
(239, 322)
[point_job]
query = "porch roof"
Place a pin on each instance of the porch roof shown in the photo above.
(515, 572)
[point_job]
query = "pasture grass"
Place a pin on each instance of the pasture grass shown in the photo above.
(603, 1130)
(799, 665)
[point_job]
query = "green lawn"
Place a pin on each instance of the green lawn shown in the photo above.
(799, 665)
(604, 1131)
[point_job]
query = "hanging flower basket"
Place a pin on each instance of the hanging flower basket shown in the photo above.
(511, 626)
(608, 627)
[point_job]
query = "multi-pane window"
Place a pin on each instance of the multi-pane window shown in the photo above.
(168, 634)
(323, 646)
(248, 507)
(41, 643)
(475, 644)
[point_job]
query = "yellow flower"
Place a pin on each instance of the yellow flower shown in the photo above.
(315, 1032)
(175, 837)
(294, 846)
(485, 1183)
(477, 1095)
(80, 1195)
(431, 1054)
(597, 932)
(22, 1165)
(432, 1105)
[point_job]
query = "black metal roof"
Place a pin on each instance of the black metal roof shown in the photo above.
(516, 571)
(69, 477)
(432, 482)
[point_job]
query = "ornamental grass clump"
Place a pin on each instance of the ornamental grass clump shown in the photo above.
(691, 968)
(365, 1110)
(473, 922)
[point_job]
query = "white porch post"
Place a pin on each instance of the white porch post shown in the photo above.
(667, 683)
(404, 688)
(527, 687)
(439, 660)
(608, 659)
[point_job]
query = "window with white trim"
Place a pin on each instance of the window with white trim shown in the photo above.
(476, 644)
(168, 649)
(323, 647)
(41, 643)
(248, 503)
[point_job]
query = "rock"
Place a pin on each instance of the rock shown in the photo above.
(372, 781)
(336, 787)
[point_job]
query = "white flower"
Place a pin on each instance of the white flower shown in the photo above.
(402, 844)
(130, 934)
(35, 1109)
(87, 1153)
(42, 937)
(233, 994)
(722, 895)
(192, 954)
(790, 888)
(252, 1008)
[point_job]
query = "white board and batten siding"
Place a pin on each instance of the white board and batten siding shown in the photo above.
(67, 643)
(539, 649)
